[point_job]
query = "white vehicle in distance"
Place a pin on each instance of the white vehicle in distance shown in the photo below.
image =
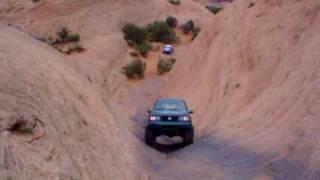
(168, 49)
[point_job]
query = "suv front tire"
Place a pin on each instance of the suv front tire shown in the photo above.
(149, 137)
(188, 137)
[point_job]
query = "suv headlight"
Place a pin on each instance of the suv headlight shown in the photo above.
(154, 118)
(184, 118)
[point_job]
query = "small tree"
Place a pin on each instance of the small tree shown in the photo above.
(188, 26)
(160, 31)
(172, 21)
(143, 48)
(165, 66)
(135, 69)
(134, 33)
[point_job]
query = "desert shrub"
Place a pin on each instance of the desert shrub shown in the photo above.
(73, 38)
(214, 8)
(64, 35)
(143, 48)
(251, 5)
(172, 21)
(23, 126)
(160, 31)
(35, 1)
(195, 32)
(135, 69)
(75, 48)
(134, 33)
(174, 2)
(165, 66)
(188, 26)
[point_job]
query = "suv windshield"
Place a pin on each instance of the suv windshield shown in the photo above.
(170, 105)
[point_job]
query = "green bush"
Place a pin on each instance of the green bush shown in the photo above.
(143, 48)
(165, 66)
(214, 8)
(188, 26)
(134, 33)
(135, 69)
(174, 2)
(160, 31)
(195, 32)
(172, 21)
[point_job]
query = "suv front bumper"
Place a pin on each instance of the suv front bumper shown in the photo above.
(172, 128)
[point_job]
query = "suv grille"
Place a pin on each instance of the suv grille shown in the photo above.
(169, 118)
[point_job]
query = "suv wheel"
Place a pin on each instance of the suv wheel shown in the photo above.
(188, 137)
(149, 137)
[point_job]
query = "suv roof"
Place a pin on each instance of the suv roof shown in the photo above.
(170, 106)
(170, 99)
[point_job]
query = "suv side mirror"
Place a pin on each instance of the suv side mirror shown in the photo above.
(191, 112)
(149, 111)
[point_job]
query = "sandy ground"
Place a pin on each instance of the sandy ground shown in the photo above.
(252, 77)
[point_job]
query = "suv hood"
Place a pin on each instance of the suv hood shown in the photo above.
(169, 113)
